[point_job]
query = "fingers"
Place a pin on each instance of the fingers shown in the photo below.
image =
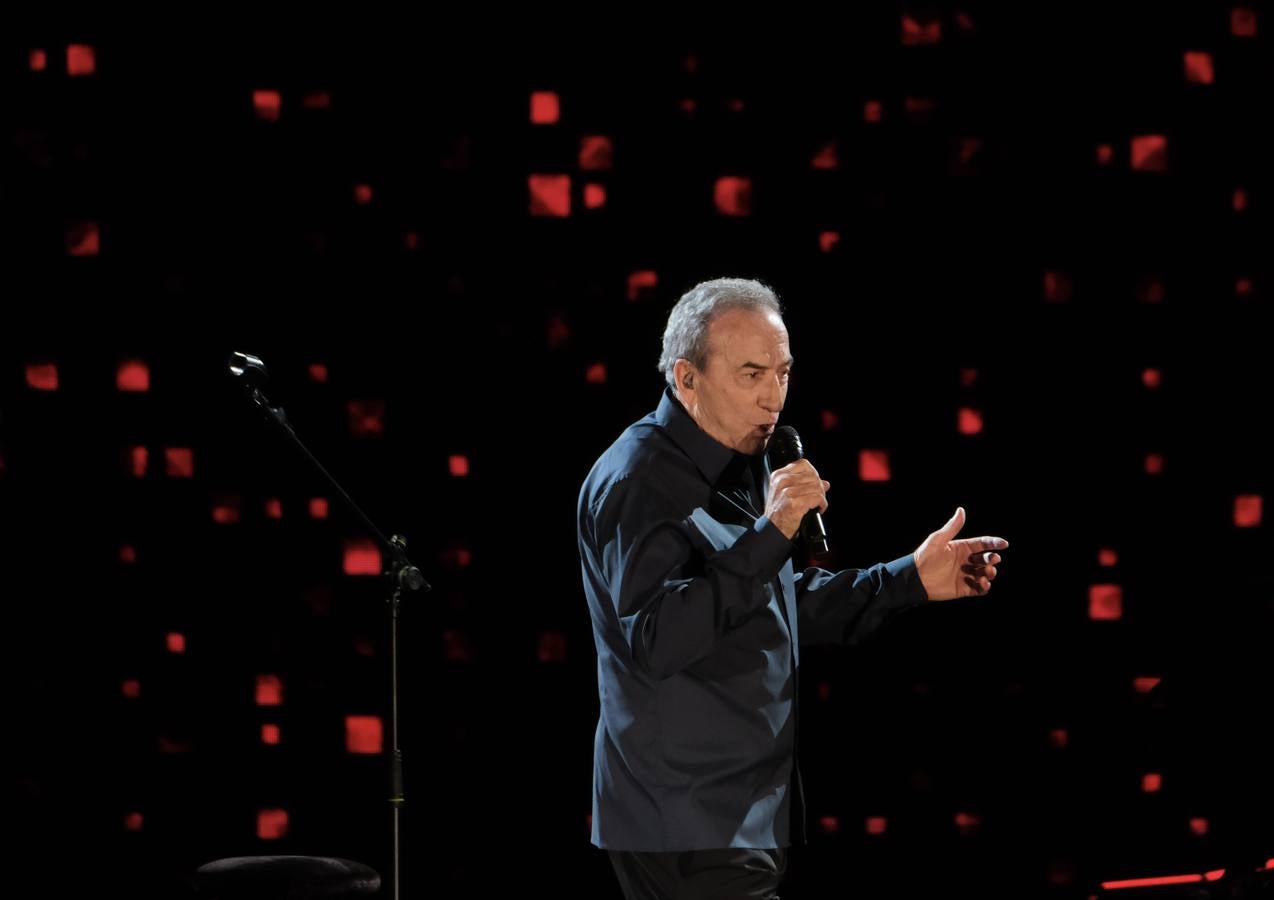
(799, 483)
(985, 558)
(800, 469)
(809, 498)
(978, 586)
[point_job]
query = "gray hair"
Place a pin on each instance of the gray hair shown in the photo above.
(686, 336)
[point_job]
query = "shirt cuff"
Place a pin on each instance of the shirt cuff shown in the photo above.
(905, 581)
(769, 548)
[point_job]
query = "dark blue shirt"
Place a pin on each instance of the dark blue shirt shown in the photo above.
(698, 616)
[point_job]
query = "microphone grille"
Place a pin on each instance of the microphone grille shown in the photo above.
(785, 446)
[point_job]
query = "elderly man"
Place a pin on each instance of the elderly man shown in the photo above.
(686, 539)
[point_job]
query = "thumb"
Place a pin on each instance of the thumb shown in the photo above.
(953, 526)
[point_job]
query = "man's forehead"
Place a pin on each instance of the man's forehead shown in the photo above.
(745, 325)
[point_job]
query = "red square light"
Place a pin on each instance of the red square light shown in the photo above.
(225, 510)
(596, 153)
(546, 108)
(1243, 287)
(1239, 200)
(180, 462)
(131, 688)
(175, 641)
(596, 374)
(38, 60)
(1150, 153)
(269, 690)
(1151, 378)
(362, 557)
(457, 557)
(1152, 782)
(84, 239)
(1105, 602)
(133, 821)
(1198, 67)
(458, 465)
(1057, 287)
(1107, 557)
(827, 240)
(970, 421)
(1105, 154)
(364, 734)
(362, 194)
(1058, 738)
(317, 100)
(80, 60)
(826, 158)
(1151, 290)
(967, 823)
(133, 375)
(1247, 510)
(274, 508)
(733, 195)
(1144, 684)
(877, 825)
(641, 284)
(829, 824)
(272, 824)
(550, 195)
(916, 33)
(824, 691)
(1199, 826)
(552, 647)
(1243, 21)
(1154, 463)
(873, 465)
(268, 105)
(318, 507)
(873, 112)
(137, 460)
(594, 196)
(919, 108)
(128, 554)
(366, 418)
(318, 373)
(42, 377)
(829, 419)
(270, 734)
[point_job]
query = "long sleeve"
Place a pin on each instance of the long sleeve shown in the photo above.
(847, 606)
(673, 600)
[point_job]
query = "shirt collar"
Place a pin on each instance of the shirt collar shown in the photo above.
(706, 452)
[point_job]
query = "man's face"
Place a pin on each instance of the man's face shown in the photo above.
(738, 396)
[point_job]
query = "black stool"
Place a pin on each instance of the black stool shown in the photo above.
(284, 878)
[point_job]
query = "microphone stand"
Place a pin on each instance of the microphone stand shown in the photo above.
(401, 576)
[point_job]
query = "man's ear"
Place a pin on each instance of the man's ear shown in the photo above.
(683, 374)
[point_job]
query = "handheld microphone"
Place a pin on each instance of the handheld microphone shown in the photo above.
(785, 448)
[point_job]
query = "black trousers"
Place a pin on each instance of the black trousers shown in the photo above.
(731, 874)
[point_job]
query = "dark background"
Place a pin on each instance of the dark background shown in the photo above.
(989, 257)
